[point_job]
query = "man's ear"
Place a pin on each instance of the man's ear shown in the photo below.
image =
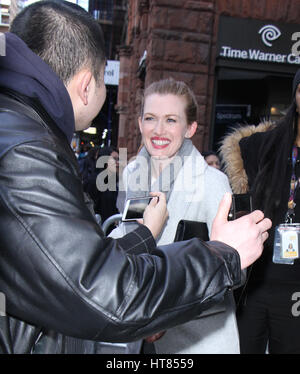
(84, 79)
(191, 130)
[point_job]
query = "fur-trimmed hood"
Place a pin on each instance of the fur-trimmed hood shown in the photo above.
(231, 154)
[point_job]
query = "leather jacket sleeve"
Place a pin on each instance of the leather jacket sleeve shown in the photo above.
(59, 272)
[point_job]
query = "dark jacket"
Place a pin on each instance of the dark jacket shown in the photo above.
(58, 272)
(66, 285)
(243, 152)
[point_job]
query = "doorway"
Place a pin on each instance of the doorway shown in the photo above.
(244, 97)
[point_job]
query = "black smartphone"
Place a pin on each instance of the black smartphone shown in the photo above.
(134, 208)
(241, 205)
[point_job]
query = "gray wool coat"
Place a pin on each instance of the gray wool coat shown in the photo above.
(197, 192)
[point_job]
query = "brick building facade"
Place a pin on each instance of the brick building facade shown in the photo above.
(180, 38)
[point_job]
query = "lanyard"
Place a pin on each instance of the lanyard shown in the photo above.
(293, 188)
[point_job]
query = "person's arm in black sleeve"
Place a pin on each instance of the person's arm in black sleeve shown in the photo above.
(59, 272)
(249, 152)
(138, 241)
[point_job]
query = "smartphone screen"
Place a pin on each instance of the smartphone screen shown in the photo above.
(134, 208)
(241, 205)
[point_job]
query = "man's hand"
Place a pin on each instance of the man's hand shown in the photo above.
(246, 234)
(156, 213)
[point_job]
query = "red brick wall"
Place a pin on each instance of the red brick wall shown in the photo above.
(180, 38)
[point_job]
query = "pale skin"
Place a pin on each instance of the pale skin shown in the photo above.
(164, 127)
(246, 234)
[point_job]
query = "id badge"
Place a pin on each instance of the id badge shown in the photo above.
(286, 243)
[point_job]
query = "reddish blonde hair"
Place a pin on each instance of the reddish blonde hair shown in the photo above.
(177, 88)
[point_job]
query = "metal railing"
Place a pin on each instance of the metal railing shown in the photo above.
(109, 221)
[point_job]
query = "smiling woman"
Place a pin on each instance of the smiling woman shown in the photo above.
(168, 162)
(164, 125)
(168, 117)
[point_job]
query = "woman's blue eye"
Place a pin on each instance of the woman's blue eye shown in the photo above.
(171, 120)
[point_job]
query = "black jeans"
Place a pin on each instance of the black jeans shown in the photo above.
(266, 317)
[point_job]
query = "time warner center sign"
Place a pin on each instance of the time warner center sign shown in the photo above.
(258, 41)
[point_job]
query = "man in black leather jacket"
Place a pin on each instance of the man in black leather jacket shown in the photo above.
(66, 285)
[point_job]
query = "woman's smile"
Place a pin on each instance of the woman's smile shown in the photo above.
(160, 143)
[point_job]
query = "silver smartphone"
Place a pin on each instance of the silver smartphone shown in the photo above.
(134, 208)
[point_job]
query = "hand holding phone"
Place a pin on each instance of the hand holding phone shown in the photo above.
(150, 210)
(246, 234)
(156, 213)
(134, 208)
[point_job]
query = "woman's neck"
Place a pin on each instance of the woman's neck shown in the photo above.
(158, 164)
